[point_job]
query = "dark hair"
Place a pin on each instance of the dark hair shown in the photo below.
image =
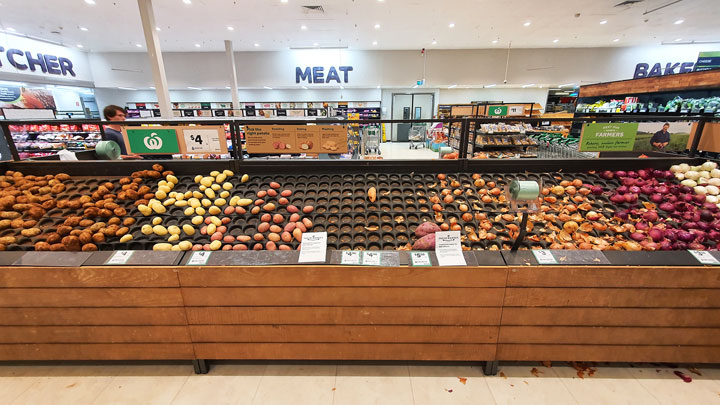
(111, 111)
(667, 123)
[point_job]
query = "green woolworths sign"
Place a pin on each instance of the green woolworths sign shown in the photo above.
(608, 137)
(152, 141)
(497, 110)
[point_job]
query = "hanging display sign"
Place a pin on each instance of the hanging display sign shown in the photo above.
(607, 137)
(516, 110)
(318, 74)
(29, 57)
(707, 61)
(497, 110)
(175, 140)
(23, 97)
(658, 69)
(280, 139)
(204, 139)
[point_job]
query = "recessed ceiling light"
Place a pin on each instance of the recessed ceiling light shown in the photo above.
(342, 88)
(377, 26)
(303, 27)
(603, 22)
(452, 87)
(194, 88)
(83, 29)
(197, 45)
(528, 85)
(138, 45)
(10, 29)
(555, 41)
(266, 87)
(283, 1)
(434, 42)
(567, 85)
(127, 88)
(616, 40)
(679, 22)
(304, 88)
(380, 1)
(678, 39)
(227, 87)
(91, 2)
(315, 44)
(490, 85)
(378, 87)
(157, 29)
(451, 25)
(187, 1)
(374, 42)
(79, 45)
(495, 41)
(527, 24)
(152, 87)
(230, 28)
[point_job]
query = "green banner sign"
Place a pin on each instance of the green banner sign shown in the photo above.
(149, 140)
(608, 137)
(497, 110)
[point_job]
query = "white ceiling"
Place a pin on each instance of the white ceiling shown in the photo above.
(114, 25)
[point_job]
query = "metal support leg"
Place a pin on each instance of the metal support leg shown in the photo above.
(491, 367)
(201, 366)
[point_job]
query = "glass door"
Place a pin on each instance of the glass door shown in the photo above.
(409, 107)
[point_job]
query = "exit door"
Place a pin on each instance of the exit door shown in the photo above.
(410, 107)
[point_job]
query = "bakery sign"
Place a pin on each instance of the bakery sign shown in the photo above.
(659, 69)
(321, 74)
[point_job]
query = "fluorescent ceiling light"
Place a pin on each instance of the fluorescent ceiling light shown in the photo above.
(555, 41)
(678, 22)
(528, 85)
(126, 88)
(266, 87)
(197, 45)
(83, 29)
(434, 42)
(378, 87)
(490, 85)
(283, 1)
(603, 22)
(227, 87)
(303, 27)
(495, 41)
(374, 42)
(377, 26)
(451, 25)
(567, 85)
(187, 1)
(10, 29)
(527, 24)
(616, 40)
(304, 88)
(256, 44)
(138, 45)
(315, 44)
(152, 87)
(415, 86)
(91, 2)
(678, 39)
(194, 88)
(79, 45)
(230, 28)
(157, 29)
(342, 88)
(452, 86)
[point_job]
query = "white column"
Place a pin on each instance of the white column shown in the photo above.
(155, 54)
(233, 73)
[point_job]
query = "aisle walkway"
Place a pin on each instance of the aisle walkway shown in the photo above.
(339, 384)
(401, 150)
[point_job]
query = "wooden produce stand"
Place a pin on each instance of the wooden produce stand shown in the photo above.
(519, 311)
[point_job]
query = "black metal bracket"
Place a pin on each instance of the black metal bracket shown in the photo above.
(696, 139)
(201, 366)
(522, 232)
(491, 367)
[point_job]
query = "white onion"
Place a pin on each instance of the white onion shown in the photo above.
(675, 168)
(700, 190)
(696, 168)
(709, 166)
(684, 167)
(689, 183)
(705, 174)
(714, 181)
(715, 173)
(692, 175)
(712, 199)
(702, 181)
(712, 190)
(680, 176)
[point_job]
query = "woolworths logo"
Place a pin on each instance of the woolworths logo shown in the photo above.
(153, 140)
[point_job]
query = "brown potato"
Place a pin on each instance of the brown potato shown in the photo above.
(120, 211)
(108, 185)
(105, 213)
(129, 221)
(62, 177)
(122, 231)
(91, 212)
(32, 232)
(63, 230)
(85, 237)
(125, 180)
(42, 246)
(158, 167)
(29, 224)
(36, 212)
(98, 238)
(73, 221)
(89, 247)
(48, 204)
(76, 232)
(57, 189)
(57, 247)
(114, 221)
(17, 223)
(97, 226)
(53, 238)
(110, 205)
(5, 223)
(86, 222)
(8, 240)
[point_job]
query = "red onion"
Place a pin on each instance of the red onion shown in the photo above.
(662, 189)
(632, 174)
(699, 198)
(656, 235)
(667, 207)
(620, 173)
(634, 189)
(710, 207)
(658, 174)
(685, 236)
(706, 215)
(665, 245)
(700, 236)
(622, 189)
(630, 198)
(623, 215)
(647, 189)
(607, 175)
(642, 226)
(596, 190)
(680, 245)
(670, 234)
(696, 246)
(703, 226)
(647, 245)
(617, 198)
(669, 175)
(627, 181)
(656, 198)
(671, 198)
(714, 235)
(716, 225)
(650, 216)
(644, 174)
(637, 236)
(686, 197)
(688, 226)
(685, 190)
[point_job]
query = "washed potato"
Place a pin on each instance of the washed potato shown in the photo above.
(190, 210)
(162, 247)
(146, 229)
(160, 230)
(126, 238)
(214, 210)
(188, 229)
(197, 220)
(173, 229)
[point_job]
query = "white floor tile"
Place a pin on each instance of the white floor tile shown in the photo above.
(63, 390)
(225, 385)
(154, 390)
(607, 385)
(296, 384)
(373, 384)
(401, 150)
(449, 385)
(11, 388)
(518, 385)
(668, 388)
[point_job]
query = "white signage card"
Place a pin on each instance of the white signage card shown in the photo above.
(448, 249)
(704, 257)
(313, 247)
(202, 140)
(420, 259)
(371, 258)
(350, 258)
(120, 257)
(544, 257)
(199, 258)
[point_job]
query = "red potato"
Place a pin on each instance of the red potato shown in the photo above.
(272, 193)
(274, 185)
(294, 218)
(258, 237)
(206, 246)
(278, 219)
(308, 209)
(284, 247)
(240, 210)
(243, 238)
(229, 210)
(271, 246)
(216, 236)
(283, 201)
(286, 193)
(269, 207)
(259, 202)
(297, 233)
(228, 239)
(263, 227)
(203, 230)
(207, 221)
(255, 210)
(257, 247)
(286, 237)
(221, 229)
(197, 247)
(240, 247)
(225, 221)
(227, 247)
(265, 218)
(273, 237)
(307, 222)
(292, 209)
(289, 227)
(300, 226)
(261, 194)
(427, 242)
(275, 229)
(426, 228)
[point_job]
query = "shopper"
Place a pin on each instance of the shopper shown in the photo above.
(661, 139)
(113, 132)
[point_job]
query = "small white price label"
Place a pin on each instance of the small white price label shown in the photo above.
(448, 249)
(202, 140)
(313, 247)
(704, 257)
(371, 258)
(350, 258)
(199, 258)
(120, 257)
(544, 257)
(420, 259)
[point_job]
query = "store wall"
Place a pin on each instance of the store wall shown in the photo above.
(460, 96)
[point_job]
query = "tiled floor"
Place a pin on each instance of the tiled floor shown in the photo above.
(352, 383)
(401, 150)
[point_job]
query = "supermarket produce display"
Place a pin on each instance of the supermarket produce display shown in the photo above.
(221, 210)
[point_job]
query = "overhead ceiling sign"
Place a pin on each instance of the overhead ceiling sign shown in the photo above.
(24, 56)
(318, 74)
(658, 69)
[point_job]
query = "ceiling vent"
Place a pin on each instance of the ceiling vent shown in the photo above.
(628, 3)
(313, 9)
